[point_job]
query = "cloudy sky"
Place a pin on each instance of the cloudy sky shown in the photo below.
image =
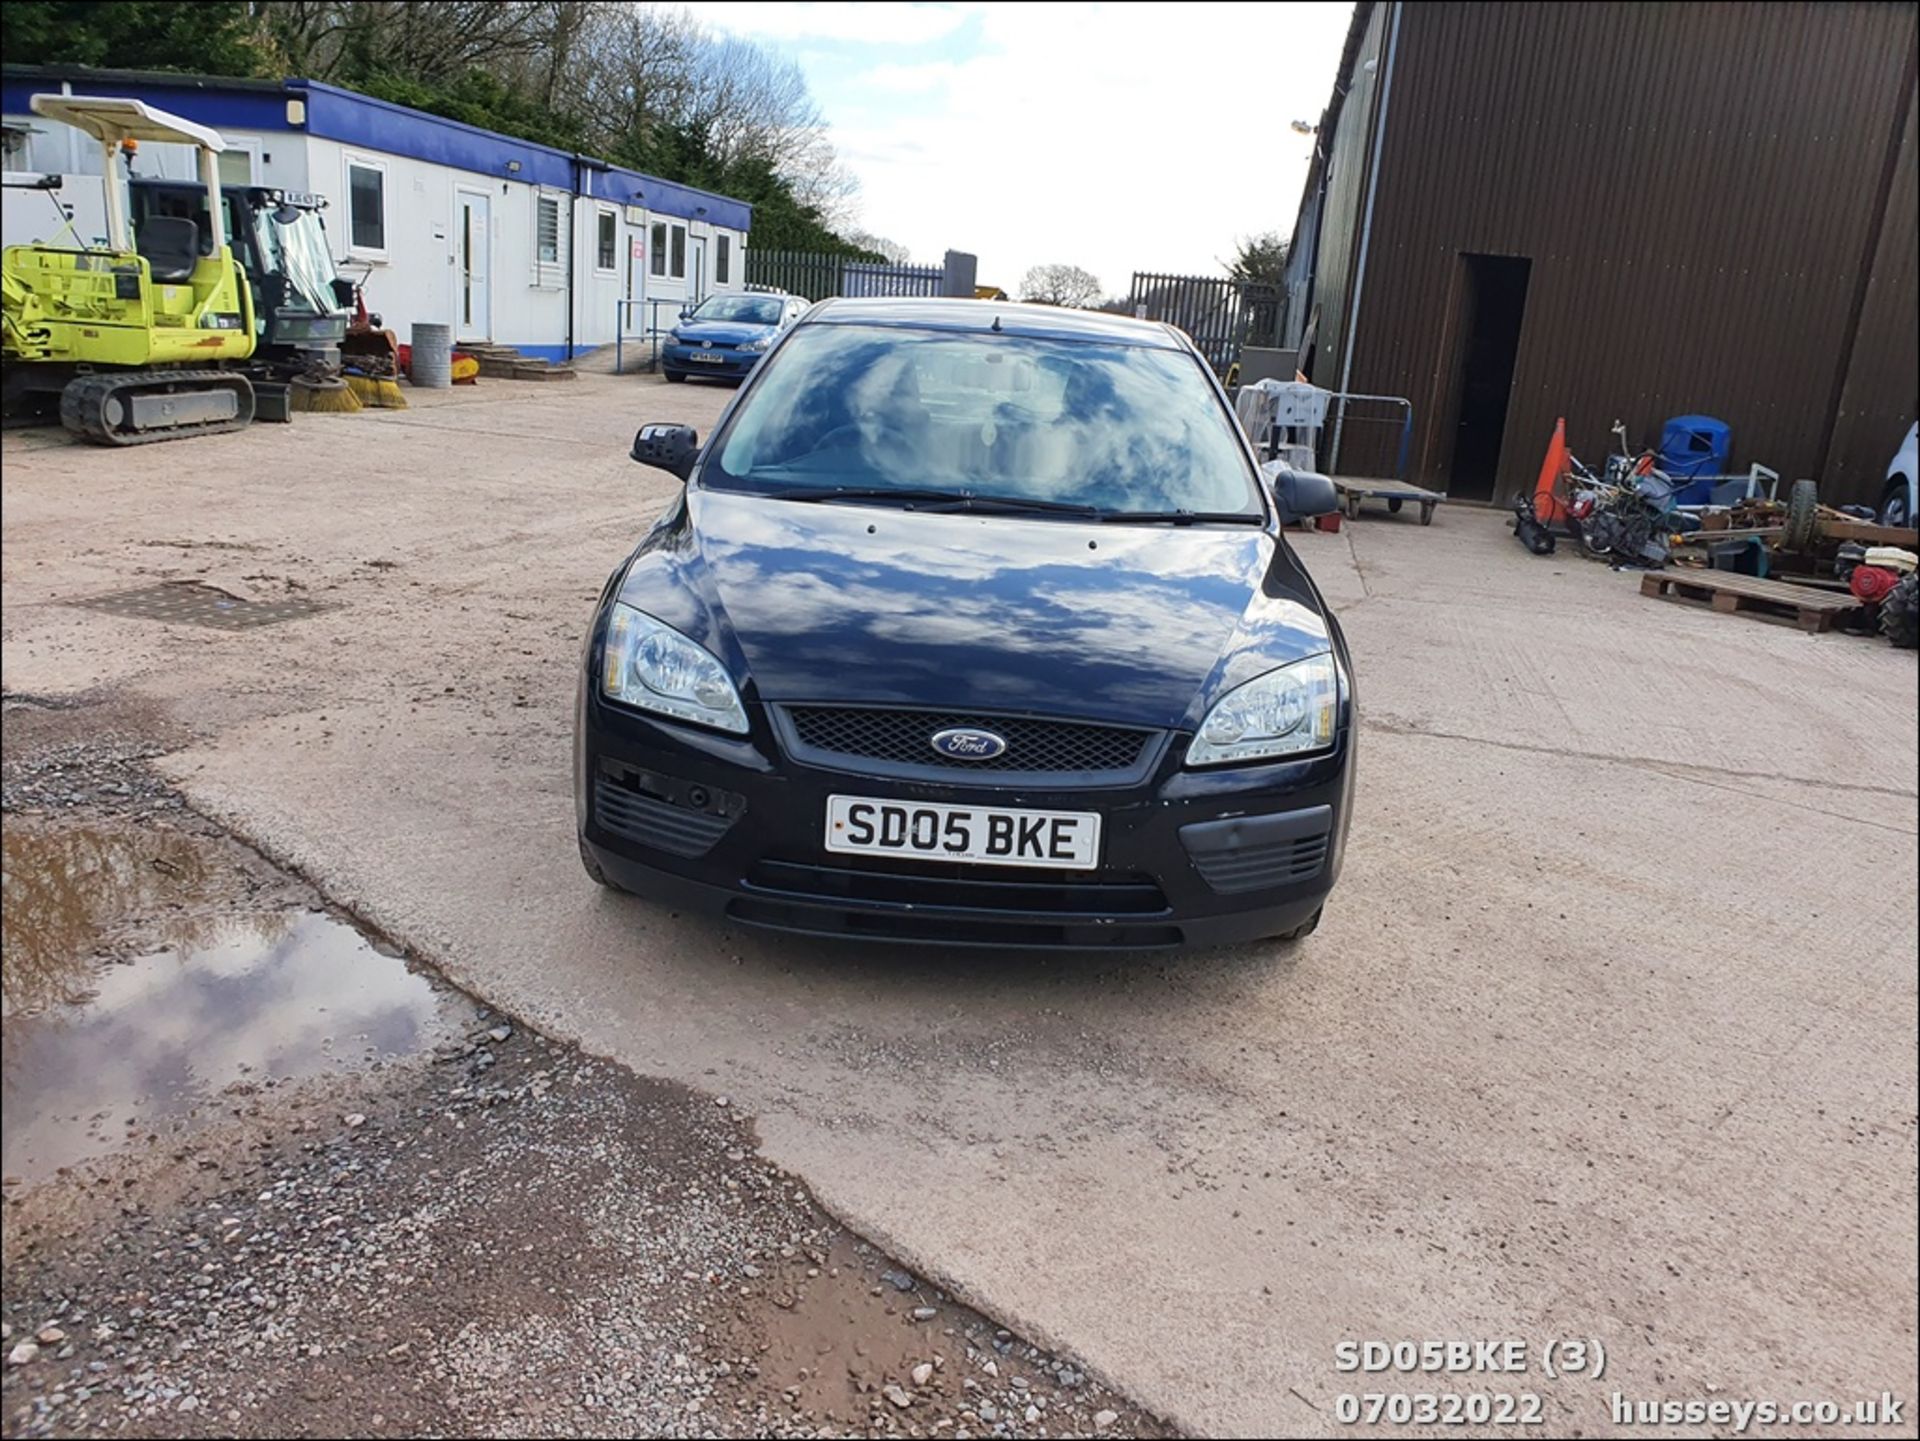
(1117, 137)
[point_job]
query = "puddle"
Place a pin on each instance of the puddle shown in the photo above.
(69, 890)
(206, 1001)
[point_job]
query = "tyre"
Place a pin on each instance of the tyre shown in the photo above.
(592, 868)
(674, 375)
(1900, 613)
(1896, 506)
(1305, 928)
(1803, 516)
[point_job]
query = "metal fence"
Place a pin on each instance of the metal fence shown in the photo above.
(818, 276)
(1221, 315)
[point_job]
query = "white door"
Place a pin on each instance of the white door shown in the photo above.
(472, 244)
(697, 282)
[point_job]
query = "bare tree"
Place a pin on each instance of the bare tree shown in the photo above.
(634, 71)
(894, 251)
(821, 179)
(1067, 285)
(429, 43)
(624, 76)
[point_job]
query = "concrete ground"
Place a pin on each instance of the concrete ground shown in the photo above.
(1609, 1032)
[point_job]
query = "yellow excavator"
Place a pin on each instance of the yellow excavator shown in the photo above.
(134, 340)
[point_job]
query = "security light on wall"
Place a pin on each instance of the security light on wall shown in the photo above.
(513, 167)
(1302, 127)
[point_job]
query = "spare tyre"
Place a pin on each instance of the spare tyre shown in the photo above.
(1803, 516)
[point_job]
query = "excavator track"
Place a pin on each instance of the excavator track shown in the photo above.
(141, 407)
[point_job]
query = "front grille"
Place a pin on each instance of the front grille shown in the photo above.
(811, 920)
(1252, 868)
(1034, 746)
(936, 885)
(954, 904)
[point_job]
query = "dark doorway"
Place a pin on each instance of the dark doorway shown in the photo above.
(1493, 303)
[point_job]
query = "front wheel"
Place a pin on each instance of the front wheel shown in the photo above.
(1305, 928)
(592, 867)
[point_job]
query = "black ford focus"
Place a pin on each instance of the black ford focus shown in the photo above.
(973, 624)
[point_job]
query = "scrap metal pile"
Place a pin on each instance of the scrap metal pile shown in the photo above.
(1729, 540)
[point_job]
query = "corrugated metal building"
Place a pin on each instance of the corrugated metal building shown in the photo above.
(1632, 211)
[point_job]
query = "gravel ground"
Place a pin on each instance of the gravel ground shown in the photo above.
(505, 1237)
(515, 1240)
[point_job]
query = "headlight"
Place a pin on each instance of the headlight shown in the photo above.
(653, 667)
(761, 344)
(1286, 712)
(674, 336)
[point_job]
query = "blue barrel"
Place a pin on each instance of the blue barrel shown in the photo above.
(1693, 447)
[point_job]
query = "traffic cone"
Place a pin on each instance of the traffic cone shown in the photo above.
(1547, 509)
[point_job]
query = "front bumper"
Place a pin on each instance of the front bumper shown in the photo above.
(733, 827)
(698, 360)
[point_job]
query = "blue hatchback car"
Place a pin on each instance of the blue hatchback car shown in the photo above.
(727, 335)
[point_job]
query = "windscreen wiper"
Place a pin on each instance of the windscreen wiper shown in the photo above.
(1020, 503)
(869, 492)
(921, 498)
(1181, 517)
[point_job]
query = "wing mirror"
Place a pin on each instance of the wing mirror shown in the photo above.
(1302, 494)
(667, 447)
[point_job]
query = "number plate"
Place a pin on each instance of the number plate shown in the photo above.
(980, 835)
(705, 357)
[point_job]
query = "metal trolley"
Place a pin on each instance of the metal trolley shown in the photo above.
(1284, 420)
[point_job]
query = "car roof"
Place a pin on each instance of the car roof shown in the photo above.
(1051, 322)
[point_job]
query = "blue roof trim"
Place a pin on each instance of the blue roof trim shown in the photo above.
(632, 187)
(350, 118)
(234, 109)
(355, 119)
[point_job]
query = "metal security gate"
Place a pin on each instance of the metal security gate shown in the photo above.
(1221, 315)
(818, 276)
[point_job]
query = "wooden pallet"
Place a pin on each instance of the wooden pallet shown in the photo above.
(1812, 610)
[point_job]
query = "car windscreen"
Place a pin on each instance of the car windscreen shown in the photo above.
(1116, 427)
(742, 309)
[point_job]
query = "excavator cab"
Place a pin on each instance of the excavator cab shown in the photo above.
(280, 240)
(133, 338)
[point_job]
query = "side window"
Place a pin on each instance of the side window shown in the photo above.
(679, 252)
(235, 165)
(366, 207)
(547, 229)
(609, 244)
(657, 265)
(723, 260)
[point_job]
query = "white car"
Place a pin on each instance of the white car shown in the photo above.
(1898, 500)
